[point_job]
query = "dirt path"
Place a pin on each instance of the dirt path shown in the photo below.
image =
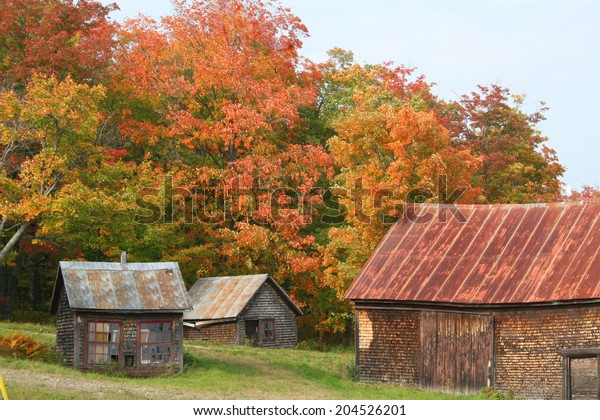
(87, 388)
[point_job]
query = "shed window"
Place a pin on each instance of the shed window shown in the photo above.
(155, 342)
(268, 329)
(103, 342)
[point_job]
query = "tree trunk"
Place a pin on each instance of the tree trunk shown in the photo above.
(12, 242)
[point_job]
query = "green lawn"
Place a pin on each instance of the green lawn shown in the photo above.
(212, 371)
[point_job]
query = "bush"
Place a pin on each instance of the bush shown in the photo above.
(490, 393)
(23, 346)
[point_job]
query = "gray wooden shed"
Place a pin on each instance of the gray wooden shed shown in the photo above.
(235, 309)
(122, 316)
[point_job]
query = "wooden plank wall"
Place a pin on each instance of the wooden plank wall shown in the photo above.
(456, 350)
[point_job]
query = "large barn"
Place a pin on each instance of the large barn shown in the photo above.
(239, 308)
(123, 316)
(468, 296)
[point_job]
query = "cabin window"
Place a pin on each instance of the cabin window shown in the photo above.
(155, 342)
(103, 342)
(268, 329)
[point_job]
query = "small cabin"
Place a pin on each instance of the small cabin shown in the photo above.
(461, 297)
(238, 309)
(120, 316)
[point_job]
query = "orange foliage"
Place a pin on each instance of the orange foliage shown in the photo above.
(23, 346)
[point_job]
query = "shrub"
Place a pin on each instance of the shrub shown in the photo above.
(490, 393)
(23, 346)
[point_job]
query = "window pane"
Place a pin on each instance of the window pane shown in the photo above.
(158, 336)
(100, 334)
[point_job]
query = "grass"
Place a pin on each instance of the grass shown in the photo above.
(212, 371)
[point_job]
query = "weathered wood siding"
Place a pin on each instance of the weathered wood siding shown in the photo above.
(388, 345)
(456, 350)
(220, 333)
(528, 345)
(129, 344)
(267, 304)
(65, 327)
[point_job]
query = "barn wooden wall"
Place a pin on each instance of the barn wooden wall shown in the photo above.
(528, 345)
(388, 346)
(218, 333)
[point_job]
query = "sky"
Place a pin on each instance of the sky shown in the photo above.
(548, 50)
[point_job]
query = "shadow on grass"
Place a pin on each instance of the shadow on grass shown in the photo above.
(360, 390)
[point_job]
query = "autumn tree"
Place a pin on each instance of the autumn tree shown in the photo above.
(45, 136)
(212, 96)
(587, 192)
(390, 147)
(517, 165)
(55, 38)
(216, 78)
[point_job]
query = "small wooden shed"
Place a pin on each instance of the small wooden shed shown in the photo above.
(235, 309)
(121, 316)
(463, 297)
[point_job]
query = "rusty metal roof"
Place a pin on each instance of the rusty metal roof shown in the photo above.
(500, 254)
(226, 297)
(122, 287)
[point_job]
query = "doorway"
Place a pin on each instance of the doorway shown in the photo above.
(456, 351)
(251, 330)
(583, 378)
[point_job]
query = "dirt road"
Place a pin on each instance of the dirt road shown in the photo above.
(87, 388)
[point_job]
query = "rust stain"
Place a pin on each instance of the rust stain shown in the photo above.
(223, 297)
(133, 286)
(520, 253)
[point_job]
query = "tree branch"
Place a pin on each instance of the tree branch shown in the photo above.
(14, 240)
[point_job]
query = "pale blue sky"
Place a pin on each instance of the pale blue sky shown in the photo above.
(548, 50)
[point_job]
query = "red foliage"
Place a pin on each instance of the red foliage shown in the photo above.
(55, 37)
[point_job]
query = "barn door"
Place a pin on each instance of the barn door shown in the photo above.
(583, 378)
(456, 350)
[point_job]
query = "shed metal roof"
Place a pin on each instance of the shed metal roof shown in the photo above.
(501, 254)
(226, 297)
(122, 287)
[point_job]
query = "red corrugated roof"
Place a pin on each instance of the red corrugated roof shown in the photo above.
(501, 254)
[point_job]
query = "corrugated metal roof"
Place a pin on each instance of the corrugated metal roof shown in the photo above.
(226, 297)
(118, 287)
(501, 254)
